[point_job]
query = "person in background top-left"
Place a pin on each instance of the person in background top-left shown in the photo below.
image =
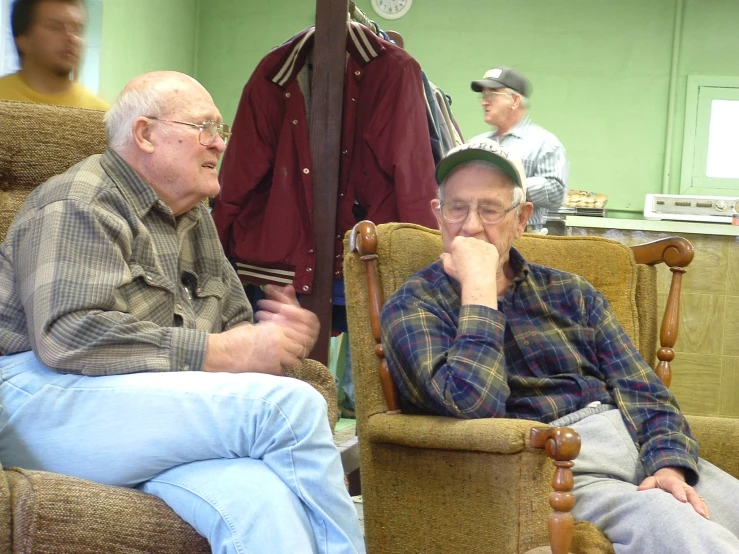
(49, 38)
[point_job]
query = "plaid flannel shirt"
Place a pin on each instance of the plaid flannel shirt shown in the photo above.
(98, 277)
(552, 347)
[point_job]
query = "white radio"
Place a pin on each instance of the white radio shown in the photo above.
(680, 207)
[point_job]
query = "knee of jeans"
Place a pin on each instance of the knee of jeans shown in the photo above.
(306, 396)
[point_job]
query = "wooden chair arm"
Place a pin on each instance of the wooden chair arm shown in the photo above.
(562, 445)
(363, 241)
(676, 253)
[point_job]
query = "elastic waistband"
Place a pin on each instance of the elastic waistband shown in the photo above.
(581, 414)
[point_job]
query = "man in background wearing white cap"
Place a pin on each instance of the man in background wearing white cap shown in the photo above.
(483, 333)
(504, 95)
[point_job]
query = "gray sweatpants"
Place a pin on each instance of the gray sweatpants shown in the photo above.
(607, 473)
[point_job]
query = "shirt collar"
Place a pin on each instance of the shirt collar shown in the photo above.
(519, 265)
(361, 44)
(518, 128)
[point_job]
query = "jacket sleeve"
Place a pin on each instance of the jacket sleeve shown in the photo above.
(401, 143)
(250, 153)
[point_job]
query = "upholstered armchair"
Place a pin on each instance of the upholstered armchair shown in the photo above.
(437, 484)
(44, 512)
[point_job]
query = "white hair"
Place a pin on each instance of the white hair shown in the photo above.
(129, 105)
(519, 196)
(525, 102)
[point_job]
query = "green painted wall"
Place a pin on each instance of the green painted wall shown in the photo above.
(146, 35)
(600, 68)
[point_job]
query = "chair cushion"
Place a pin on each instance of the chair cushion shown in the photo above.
(57, 514)
(5, 513)
(588, 539)
(39, 141)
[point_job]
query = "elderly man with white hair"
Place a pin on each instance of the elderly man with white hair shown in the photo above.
(505, 99)
(131, 356)
(484, 333)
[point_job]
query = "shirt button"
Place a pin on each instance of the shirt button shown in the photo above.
(354, 99)
(287, 95)
(345, 152)
(295, 121)
(178, 307)
(309, 270)
(357, 73)
(310, 251)
(338, 237)
(200, 291)
(526, 343)
(306, 170)
(306, 288)
(147, 278)
(337, 273)
(338, 256)
(342, 194)
(186, 367)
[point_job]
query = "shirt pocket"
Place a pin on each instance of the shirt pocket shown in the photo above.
(559, 350)
(208, 294)
(147, 295)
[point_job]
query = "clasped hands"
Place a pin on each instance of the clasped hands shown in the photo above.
(283, 335)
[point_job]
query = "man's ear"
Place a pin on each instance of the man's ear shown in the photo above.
(20, 45)
(142, 134)
(527, 208)
(436, 210)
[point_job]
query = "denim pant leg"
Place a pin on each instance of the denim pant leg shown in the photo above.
(126, 429)
(266, 516)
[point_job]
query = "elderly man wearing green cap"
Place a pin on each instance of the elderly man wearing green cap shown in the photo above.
(483, 333)
(504, 96)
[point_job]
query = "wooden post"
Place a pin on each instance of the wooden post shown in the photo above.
(329, 51)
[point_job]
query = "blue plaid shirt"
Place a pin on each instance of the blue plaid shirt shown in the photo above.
(552, 347)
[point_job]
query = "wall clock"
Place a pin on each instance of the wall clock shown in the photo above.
(391, 9)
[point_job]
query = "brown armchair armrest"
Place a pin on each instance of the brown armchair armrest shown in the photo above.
(676, 253)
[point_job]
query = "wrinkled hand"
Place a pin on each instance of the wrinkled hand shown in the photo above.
(474, 263)
(260, 348)
(672, 480)
(281, 306)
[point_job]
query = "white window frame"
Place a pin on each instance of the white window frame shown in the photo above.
(702, 90)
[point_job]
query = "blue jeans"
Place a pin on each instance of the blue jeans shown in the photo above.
(247, 459)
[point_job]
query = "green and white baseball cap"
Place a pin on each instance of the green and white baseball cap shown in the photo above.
(486, 150)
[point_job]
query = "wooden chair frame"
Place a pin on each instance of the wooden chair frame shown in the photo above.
(561, 444)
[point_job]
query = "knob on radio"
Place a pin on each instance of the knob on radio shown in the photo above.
(721, 205)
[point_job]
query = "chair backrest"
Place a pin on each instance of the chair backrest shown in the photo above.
(403, 249)
(37, 142)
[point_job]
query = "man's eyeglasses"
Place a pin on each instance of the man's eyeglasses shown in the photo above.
(457, 212)
(208, 129)
(489, 95)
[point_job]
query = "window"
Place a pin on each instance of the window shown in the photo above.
(710, 163)
(90, 70)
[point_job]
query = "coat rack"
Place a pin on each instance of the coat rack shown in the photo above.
(329, 51)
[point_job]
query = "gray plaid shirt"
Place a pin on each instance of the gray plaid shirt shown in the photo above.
(98, 277)
(545, 161)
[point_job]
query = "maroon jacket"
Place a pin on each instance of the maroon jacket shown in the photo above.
(264, 211)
